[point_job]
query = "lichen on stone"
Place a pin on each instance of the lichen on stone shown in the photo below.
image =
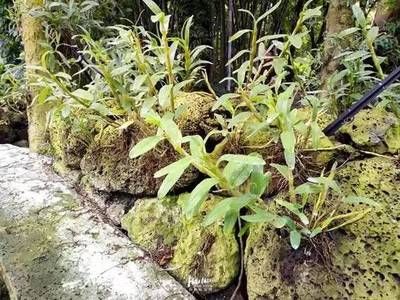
(194, 115)
(69, 141)
(374, 129)
(204, 259)
(365, 255)
(107, 166)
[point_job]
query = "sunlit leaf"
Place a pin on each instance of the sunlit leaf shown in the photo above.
(295, 239)
(144, 146)
(243, 159)
(198, 195)
(239, 34)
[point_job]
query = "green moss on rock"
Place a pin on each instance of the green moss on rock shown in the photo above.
(69, 143)
(365, 256)
(205, 259)
(107, 166)
(153, 222)
(375, 130)
(194, 113)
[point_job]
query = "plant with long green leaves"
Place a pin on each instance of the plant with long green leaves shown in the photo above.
(241, 177)
(129, 71)
(318, 209)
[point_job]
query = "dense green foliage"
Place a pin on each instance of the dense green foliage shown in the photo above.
(124, 65)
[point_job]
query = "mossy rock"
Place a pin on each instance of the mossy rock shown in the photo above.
(70, 141)
(194, 113)
(107, 166)
(375, 130)
(365, 255)
(204, 259)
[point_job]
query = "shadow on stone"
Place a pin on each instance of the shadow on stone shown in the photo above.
(3, 290)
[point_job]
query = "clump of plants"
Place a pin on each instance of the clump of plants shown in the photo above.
(242, 178)
(137, 76)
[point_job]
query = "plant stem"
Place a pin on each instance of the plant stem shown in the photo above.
(292, 194)
(251, 106)
(168, 64)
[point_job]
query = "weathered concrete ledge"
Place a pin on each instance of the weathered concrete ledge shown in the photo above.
(51, 247)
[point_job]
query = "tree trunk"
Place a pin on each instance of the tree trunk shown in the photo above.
(339, 18)
(32, 38)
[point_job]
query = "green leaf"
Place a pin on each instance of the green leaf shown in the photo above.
(262, 216)
(243, 159)
(198, 195)
(153, 6)
(144, 146)
(196, 144)
(224, 101)
(307, 189)
(175, 171)
(164, 96)
(283, 170)
(288, 140)
(237, 173)
(239, 54)
(268, 12)
(316, 134)
(311, 13)
(296, 40)
(171, 130)
(259, 181)
(325, 181)
(294, 208)
(279, 64)
(121, 70)
(348, 31)
(217, 212)
(237, 203)
(295, 239)
(241, 73)
(83, 94)
(372, 34)
(240, 118)
(100, 108)
(360, 200)
(359, 15)
(239, 34)
(171, 167)
(357, 55)
(230, 219)
(315, 232)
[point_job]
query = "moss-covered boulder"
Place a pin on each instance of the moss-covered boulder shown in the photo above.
(194, 113)
(107, 166)
(69, 140)
(204, 259)
(365, 260)
(375, 130)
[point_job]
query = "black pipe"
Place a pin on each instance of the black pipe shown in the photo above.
(363, 102)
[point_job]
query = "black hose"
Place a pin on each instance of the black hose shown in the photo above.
(363, 102)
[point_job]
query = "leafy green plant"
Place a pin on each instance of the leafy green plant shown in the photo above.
(133, 72)
(317, 211)
(241, 177)
(13, 87)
